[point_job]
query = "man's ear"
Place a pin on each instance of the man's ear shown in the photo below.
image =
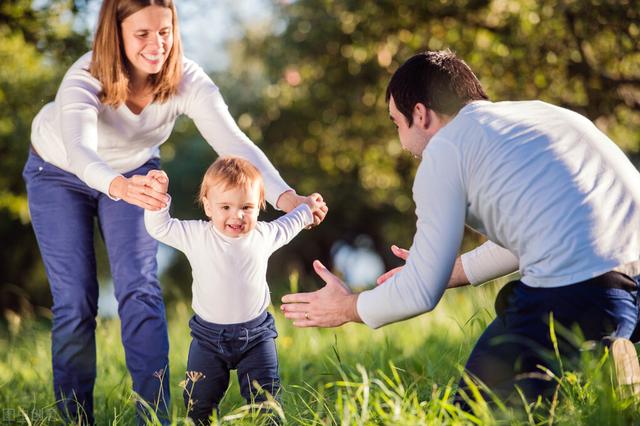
(422, 116)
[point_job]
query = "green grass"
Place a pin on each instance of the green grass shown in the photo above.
(403, 374)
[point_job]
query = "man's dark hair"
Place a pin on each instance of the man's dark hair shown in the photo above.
(438, 79)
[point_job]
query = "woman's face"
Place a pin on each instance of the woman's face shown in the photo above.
(147, 37)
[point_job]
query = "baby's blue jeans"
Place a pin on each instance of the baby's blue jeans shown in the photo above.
(248, 347)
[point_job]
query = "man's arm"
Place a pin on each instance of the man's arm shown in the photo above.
(488, 262)
(478, 266)
(440, 206)
(458, 276)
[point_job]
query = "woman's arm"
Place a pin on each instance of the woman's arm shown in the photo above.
(458, 276)
(137, 190)
(207, 108)
(78, 105)
(289, 200)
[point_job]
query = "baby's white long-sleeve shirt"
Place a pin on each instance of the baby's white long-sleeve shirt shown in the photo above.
(229, 274)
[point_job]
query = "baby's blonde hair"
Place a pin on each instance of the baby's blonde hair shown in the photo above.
(232, 172)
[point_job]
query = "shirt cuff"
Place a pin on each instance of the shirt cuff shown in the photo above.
(488, 262)
(369, 310)
(272, 196)
(468, 271)
(162, 210)
(306, 213)
(99, 176)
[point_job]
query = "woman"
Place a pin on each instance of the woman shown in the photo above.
(91, 149)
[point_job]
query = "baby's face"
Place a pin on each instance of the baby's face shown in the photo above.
(233, 211)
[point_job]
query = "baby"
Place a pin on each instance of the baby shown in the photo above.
(231, 328)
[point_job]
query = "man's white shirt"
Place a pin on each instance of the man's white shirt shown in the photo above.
(556, 197)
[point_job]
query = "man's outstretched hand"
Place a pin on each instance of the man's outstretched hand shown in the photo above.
(331, 306)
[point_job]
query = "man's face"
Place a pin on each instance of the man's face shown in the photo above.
(413, 138)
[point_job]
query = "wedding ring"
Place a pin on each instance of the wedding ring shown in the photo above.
(306, 315)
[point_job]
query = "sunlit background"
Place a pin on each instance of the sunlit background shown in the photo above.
(306, 81)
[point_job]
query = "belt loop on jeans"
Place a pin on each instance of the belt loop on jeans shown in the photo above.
(245, 338)
(220, 333)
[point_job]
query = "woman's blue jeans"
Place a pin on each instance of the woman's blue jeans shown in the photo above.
(63, 212)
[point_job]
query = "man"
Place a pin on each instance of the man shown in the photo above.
(556, 199)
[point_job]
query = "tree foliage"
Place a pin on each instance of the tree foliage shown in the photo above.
(311, 90)
(36, 47)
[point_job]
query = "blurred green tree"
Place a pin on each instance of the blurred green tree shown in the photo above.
(310, 90)
(37, 44)
(309, 87)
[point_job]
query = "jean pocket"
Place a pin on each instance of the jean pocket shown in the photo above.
(617, 302)
(264, 331)
(33, 168)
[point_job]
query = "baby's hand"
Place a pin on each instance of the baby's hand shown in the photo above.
(315, 202)
(158, 181)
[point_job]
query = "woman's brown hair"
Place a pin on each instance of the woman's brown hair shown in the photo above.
(109, 63)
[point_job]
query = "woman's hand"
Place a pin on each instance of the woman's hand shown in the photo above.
(138, 190)
(315, 203)
(289, 200)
